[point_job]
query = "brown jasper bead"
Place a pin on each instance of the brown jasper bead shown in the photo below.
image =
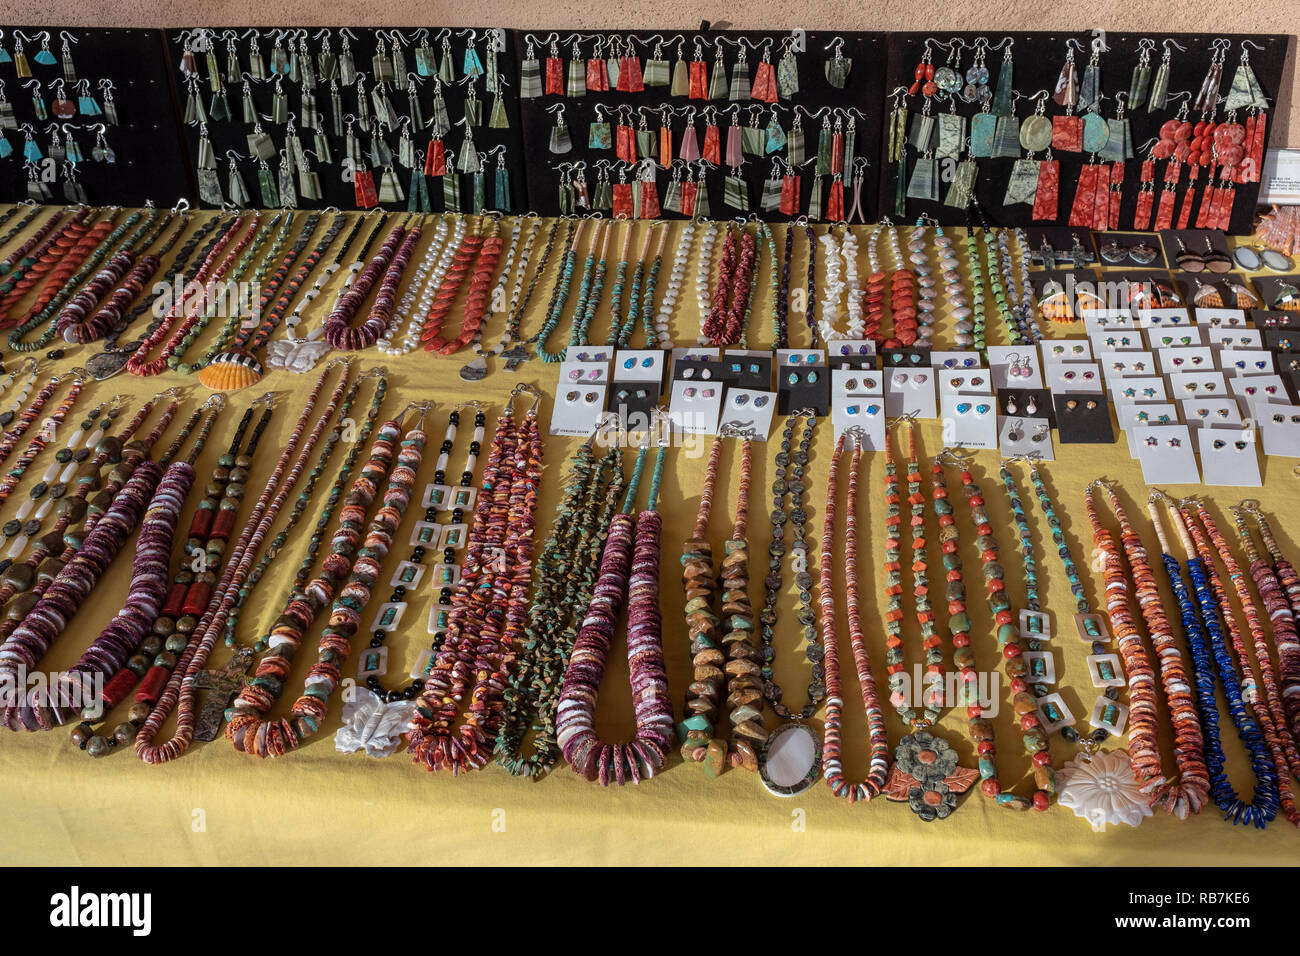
(139, 712)
(214, 489)
(102, 501)
(185, 576)
(244, 461)
(74, 509)
(164, 626)
(166, 659)
(88, 474)
(110, 446)
(138, 664)
(221, 474)
(124, 733)
(19, 577)
(151, 645)
(21, 605)
(51, 542)
(120, 475)
(187, 624)
(80, 734)
(49, 569)
(239, 475)
(137, 445)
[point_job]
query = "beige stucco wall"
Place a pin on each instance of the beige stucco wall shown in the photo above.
(1260, 16)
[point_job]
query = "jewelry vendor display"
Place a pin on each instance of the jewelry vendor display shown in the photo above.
(722, 643)
(629, 575)
(489, 609)
(563, 581)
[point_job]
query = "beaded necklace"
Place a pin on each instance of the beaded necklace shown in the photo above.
(273, 241)
(61, 259)
(37, 256)
(332, 439)
(980, 727)
(49, 312)
(661, 335)
(618, 330)
(1213, 664)
(978, 316)
(308, 712)
(832, 288)
(237, 366)
(142, 641)
(1280, 616)
(32, 211)
(995, 248)
(629, 574)
(171, 328)
(740, 663)
(832, 765)
(424, 282)
(428, 535)
(563, 583)
(560, 292)
(112, 310)
(483, 251)
(592, 288)
(703, 266)
(781, 302)
(490, 606)
(723, 325)
(1269, 711)
(810, 291)
(53, 483)
(49, 428)
(792, 461)
(642, 305)
(927, 292)
(338, 326)
(25, 389)
(14, 258)
(511, 347)
(301, 353)
(30, 364)
(36, 573)
(74, 320)
(954, 288)
(9, 440)
(181, 687)
(70, 588)
(1025, 308)
(247, 730)
(1036, 625)
(1190, 792)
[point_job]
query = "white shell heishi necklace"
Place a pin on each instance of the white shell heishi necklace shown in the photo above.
(927, 293)
(852, 284)
(703, 267)
(415, 303)
(668, 307)
(832, 287)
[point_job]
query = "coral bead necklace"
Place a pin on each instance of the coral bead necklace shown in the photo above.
(482, 251)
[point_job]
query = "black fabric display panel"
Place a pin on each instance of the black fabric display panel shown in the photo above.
(1038, 59)
(149, 160)
(864, 91)
(336, 182)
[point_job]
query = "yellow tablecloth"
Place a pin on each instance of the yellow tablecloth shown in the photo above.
(316, 806)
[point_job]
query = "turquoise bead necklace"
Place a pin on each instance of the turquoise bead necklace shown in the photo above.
(560, 294)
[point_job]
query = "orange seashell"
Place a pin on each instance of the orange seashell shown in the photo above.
(231, 371)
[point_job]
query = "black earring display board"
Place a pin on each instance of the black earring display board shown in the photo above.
(337, 187)
(149, 161)
(1038, 59)
(863, 91)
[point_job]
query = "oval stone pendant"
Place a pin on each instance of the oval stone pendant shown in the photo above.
(1036, 133)
(791, 760)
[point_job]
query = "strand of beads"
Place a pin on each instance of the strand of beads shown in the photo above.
(169, 332)
(781, 302)
(21, 255)
(30, 213)
(902, 295)
(852, 286)
(1025, 302)
(793, 465)
(660, 335)
(621, 323)
(53, 483)
(511, 345)
(1280, 616)
(521, 246)
(124, 649)
(180, 692)
(645, 305)
(592, 288)
(1259, 639)
(741, 302)
(1285, 571)
(559, 294)
(703, 267)
(420, 288)
(1210, 653)
(490, 606)
(832, 288)
(338, 326)
(49, 427)
(954, 288)
(248, 731)
(832, 746)
(26, 264)
(700, 580)
(487, 249)
(647, 752)
(416, 310)
(9, 441)
(997, 255)
(978, 317)
(925, 280)
(25, 389)
(381, 307)
(58, 260)
(563, 583)
(49, 312)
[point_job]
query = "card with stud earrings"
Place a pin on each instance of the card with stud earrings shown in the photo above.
(634, 403)
(694, 405)
(1166, 454)
(1220, 318)
(748, 369)
(1083, 419)
(1229, 339)
(910, 392)
(582, 373)
(748, 409)
(1139, 388)
(1014, 365)
(641, 365)
(1197, 385)
(1025, 436)
(578, 409)
(950, 361)
(1190, 358)
(1131, 417)
(970, 421)
(1253, 391)
(976, 381)
(1074, 377)
(858, 401)
(1244, 361)
(1210, 413)
(1229, 458)
(1065, 350)
(1117, 365)
(1176, 338)
(1279, 429)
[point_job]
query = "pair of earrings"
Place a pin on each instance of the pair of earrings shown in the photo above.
(920, 378)
(963, 408)
(851, 385)
(741, 400)
(869, 410)
(1020, 366)
(1205, 412)
(1220, 444)
(1012, 406)
(1074, 404)
(1016, 432)
(574, 397)
(1152, 442)
(590, 375)
(701, 392)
